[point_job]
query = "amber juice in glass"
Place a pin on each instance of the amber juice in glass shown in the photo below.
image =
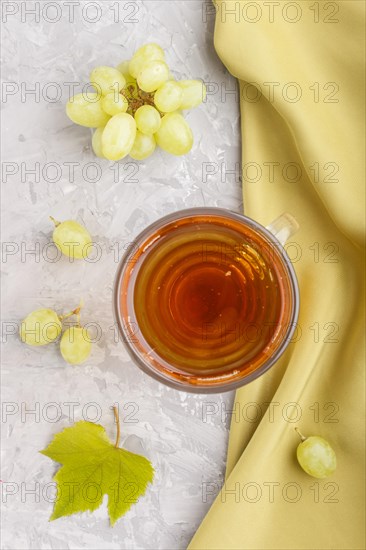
(205, 299)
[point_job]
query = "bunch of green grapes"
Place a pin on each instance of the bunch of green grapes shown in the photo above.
(44, 326)
(137, 106)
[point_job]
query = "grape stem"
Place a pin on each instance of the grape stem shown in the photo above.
(75, 311)
(116, 416)
(302, 437)
(143, 98)
(55, 221)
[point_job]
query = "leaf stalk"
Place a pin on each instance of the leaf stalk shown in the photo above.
(116, 416)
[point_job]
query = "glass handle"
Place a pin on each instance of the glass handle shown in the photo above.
(283, 227)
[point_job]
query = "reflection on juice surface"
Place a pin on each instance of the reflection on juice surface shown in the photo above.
(211, 297)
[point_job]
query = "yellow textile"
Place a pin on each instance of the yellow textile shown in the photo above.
(273, 503)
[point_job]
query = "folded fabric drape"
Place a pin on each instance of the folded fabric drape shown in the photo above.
(300, 67)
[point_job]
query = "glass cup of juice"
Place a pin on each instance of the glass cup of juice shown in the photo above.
(206, 300)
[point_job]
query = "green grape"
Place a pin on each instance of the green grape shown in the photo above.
(107, 79)
(153, 75)
(174, 135)
(168, 97)
(86, 110)
(118, 136)
(130, 80)
(194, 92)
(143, 55)
(72, 239)
(316, 457)
(148, 119)
(130, 88)
(40, 327)
(113, 104)
(123, 68)
(97, 142)
(75, 345)
(144, 146)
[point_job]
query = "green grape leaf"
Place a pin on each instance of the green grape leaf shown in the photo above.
(92, 467)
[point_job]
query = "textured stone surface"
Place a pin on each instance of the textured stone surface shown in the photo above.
(166, 425)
